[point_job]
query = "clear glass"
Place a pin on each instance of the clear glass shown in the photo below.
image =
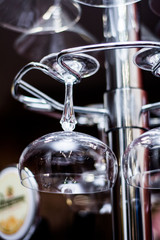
(106, 3)
(147, 59)
(141, 161)
(68, 163)
(36, 46)
(39, 16)
(82, 64)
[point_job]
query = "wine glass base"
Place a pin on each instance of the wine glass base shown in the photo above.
(83, 64)
(148, 60)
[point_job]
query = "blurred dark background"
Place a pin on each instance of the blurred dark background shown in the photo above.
(19, 127)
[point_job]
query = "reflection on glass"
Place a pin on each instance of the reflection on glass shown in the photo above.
(155, 214)
(34, 47)
(39, 16)
(69, 162)
(148, 60)
(141, 161)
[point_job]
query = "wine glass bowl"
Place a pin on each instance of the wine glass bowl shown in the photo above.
(68, 163)
(36, 17)
(35, 46)
(148, 60)
(141, 161)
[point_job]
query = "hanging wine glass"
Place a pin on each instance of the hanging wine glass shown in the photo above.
(39, 16)
(141, 165)
(106, 3)
(69, 162)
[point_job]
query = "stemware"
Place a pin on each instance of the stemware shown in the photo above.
(39, 16)
(36, 46)
(141, 163)
(69, 162)
(148, 60)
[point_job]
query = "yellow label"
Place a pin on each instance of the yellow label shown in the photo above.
(13, 203)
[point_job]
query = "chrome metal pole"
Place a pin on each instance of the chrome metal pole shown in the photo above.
(124, 99)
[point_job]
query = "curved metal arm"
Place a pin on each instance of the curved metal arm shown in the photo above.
(42, 102)
(41, 98)
(102, 47)
(154, 121)
(109, 46)
(150, 107)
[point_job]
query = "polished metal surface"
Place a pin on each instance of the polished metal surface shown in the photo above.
(124, 99)
(120, 25)
(40, 101)
(131, 206)
(125, 116)
(126, 68)
(106, 3)
(107, 46)
(124, 107)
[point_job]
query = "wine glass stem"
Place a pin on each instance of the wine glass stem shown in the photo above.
(68, 120)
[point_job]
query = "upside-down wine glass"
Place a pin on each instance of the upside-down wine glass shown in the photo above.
(69, 162)
(36, 46)
(141, 161)
(39, 16)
